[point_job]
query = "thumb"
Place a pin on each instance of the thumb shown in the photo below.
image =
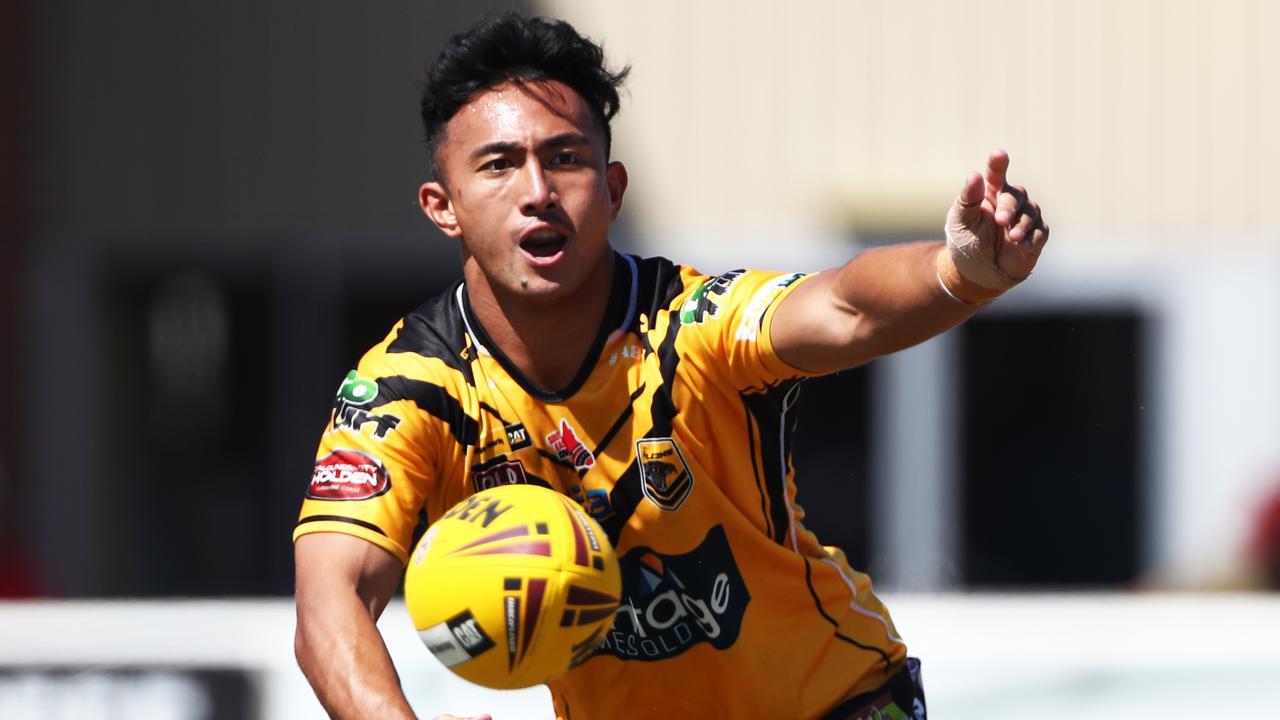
(967, 210)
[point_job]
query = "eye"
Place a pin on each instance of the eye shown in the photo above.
(565, 158)
(496, 165)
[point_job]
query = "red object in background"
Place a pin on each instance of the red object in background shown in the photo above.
(1264, 545)
(18, 577)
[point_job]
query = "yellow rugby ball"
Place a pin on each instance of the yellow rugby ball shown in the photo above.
(513, 586)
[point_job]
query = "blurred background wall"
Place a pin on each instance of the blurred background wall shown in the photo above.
(210, 212)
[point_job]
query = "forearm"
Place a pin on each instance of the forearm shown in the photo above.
(881, 301)
(343, 656)
(894, 299)
(343, 585)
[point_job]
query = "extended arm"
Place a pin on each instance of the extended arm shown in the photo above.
(887, 299)
(344, 583)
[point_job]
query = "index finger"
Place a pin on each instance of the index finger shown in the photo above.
(997, 166)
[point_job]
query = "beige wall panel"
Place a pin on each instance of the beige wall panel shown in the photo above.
(1266, 67)
(1136, 116)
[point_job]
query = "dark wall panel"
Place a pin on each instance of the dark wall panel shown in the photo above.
(1052, 444)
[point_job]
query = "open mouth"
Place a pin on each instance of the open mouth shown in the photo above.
(544, 244)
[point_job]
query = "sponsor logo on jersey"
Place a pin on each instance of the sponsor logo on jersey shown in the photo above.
(354, 393)
(568, 448)
(498, 472)
(357, 390)
(457, 639)
(749, 328)
(704, 303)
(664, 475)
(348, 475)
(517, 437)
(672, 602)
(595, 501)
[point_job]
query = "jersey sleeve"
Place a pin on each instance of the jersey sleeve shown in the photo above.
(728, 319)
(377, 460)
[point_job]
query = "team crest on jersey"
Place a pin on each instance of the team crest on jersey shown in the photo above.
(569, 448)
(664, 475)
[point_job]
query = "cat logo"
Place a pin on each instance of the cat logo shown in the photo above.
(664, 475)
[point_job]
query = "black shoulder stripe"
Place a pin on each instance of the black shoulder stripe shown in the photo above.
(663, 407)
(435, 330)
(435, 400)
(339, 518)
(660, 283)
(626, 493)
(624, 497)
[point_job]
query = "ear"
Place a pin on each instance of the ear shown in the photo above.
(434, 199)
(616, 179)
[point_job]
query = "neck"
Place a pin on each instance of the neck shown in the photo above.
(547, 340)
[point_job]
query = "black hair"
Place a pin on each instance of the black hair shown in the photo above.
(513, 48)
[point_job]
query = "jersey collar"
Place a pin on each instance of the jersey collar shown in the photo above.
(619, 315)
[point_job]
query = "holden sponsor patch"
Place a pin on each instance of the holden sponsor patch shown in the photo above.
(346, 474)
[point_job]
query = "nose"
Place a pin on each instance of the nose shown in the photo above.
(539, 194)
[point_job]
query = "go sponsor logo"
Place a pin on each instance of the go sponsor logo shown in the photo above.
(355, 395)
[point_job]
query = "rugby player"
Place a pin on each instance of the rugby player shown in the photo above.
(656, 395)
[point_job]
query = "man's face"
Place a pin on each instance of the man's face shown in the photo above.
(528, 190)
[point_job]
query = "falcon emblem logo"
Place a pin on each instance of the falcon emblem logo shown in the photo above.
(569, 448)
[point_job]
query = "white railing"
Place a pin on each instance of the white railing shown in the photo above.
(986, 656)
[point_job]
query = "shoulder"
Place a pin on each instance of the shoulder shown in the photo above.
(421, 369)
(434, 330)
(662, 284)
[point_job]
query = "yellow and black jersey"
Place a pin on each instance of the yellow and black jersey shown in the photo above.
(675, 436)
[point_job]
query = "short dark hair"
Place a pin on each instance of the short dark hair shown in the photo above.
(511, 47)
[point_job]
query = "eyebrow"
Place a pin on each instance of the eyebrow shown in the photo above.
(503, 146)
(566, 138)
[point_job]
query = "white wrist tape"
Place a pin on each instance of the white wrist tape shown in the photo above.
(966, 254)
